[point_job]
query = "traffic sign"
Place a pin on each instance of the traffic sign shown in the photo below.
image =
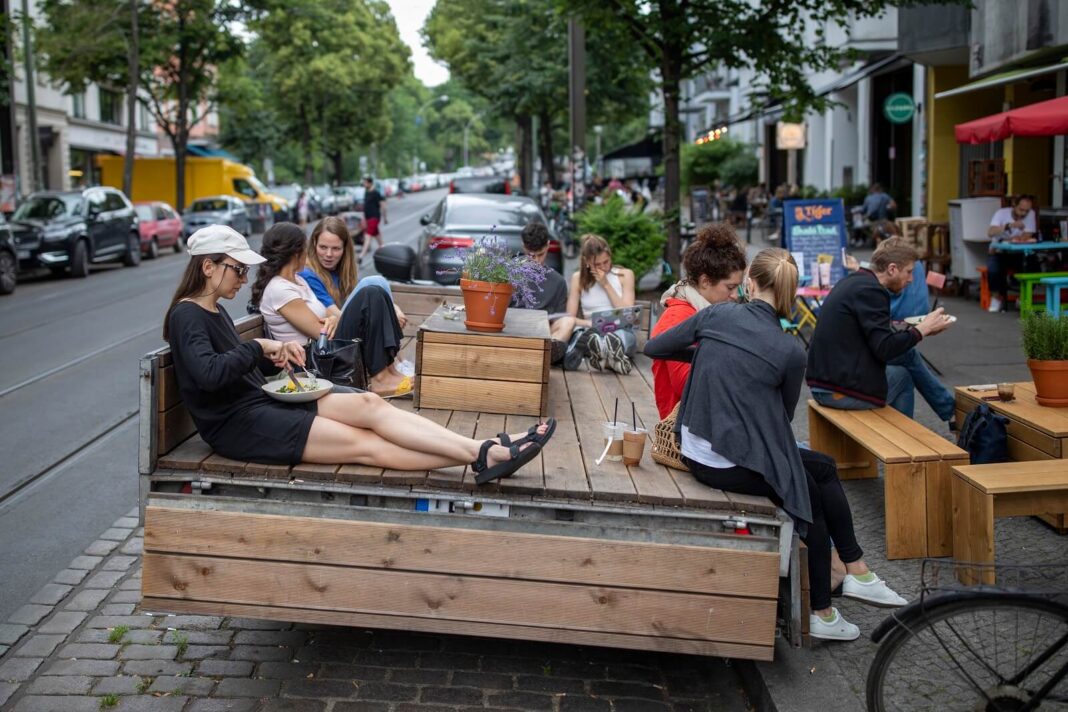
(899, 108)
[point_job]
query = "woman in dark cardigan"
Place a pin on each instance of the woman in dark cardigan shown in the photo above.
(734, 424)
(221, 378)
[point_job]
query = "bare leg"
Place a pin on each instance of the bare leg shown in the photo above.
(331, 442)
(561, 328)
(838, 569)
(408, 430)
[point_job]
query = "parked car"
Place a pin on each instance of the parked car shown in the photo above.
(160, 227)
(9, 258)
(458, 220)
(217, 210)
(356, 195)
(342, 199)
(72, 229)
(481, 184)
(327, 202)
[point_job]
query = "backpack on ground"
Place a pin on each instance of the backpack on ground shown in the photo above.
(984, 436)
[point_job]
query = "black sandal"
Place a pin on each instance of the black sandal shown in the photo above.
(517, 459)
(532, 435)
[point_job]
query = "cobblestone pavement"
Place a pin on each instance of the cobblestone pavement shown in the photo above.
(82, 643)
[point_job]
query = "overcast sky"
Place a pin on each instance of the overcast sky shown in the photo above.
(410, 15)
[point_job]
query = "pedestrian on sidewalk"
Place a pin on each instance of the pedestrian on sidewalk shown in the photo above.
(374, 212)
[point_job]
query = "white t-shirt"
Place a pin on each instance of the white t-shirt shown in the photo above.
(279, 292)
(1004, 216)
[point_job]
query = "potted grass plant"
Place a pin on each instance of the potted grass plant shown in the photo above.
(1045, 342)
(490, 275)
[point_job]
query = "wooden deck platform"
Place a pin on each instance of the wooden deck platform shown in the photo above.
(566, 550)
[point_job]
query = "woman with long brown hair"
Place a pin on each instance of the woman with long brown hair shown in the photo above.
(734, 426)
(596, 286)
(221, 378)
(292, 312)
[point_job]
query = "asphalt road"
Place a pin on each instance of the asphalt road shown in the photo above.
(68, 403)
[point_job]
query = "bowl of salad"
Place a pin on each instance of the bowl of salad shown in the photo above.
(283, 389)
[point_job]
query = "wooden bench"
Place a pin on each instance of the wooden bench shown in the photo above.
(916, 469)
(567, 550)
(982, 493)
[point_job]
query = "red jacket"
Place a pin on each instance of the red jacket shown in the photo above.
(669, 377)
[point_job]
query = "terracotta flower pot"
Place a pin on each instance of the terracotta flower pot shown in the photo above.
(486, 303)
(1051, 382)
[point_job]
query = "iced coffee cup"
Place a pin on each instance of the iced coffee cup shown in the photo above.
(633, 446)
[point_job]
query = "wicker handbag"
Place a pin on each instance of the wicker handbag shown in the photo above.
(666, 443)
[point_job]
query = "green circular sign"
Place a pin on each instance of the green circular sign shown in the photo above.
(899, 108)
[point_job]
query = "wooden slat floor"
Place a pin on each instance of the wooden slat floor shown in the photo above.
(579, 400)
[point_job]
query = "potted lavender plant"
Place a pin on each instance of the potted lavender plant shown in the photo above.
(490, 275)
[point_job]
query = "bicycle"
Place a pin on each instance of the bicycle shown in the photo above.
(984, 648)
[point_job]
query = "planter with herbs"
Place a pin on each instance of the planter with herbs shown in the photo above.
(1045, 342)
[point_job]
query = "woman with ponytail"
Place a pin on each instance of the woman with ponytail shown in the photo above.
(734, 426)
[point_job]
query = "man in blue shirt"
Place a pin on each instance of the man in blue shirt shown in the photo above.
(877, 204)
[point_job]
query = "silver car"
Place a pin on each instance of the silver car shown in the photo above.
(460, 219)
(217, 210)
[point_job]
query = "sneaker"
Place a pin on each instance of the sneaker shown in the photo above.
(837, 629)
(557, 350)
(576, 349)
(875, 592)
(595, 352)
(615, 355)
(995, 305)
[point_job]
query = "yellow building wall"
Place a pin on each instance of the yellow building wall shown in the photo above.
(1028, 159)
(943, 152)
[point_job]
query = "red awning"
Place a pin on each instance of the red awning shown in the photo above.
(1046, 118)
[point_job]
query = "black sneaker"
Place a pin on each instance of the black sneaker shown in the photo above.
(576, 350)
(595, 352)
(557, 350)
(615, 356)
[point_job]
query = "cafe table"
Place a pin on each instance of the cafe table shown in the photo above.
(1035, 432)
(1028, 248)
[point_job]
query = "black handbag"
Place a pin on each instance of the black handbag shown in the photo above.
(984, 436)
(341, 364)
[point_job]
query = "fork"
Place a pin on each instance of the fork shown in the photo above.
(293, 378)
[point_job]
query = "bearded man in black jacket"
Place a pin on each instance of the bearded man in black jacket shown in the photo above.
(854, 339)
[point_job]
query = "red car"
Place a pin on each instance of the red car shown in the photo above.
(160, 227)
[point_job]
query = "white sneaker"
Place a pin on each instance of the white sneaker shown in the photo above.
(874, 592)
(995, 305)
(595, 352)
(838, 629)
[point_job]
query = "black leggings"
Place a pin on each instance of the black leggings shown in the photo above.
(370, 317)
(831, 516)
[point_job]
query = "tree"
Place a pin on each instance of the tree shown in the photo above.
(95, 41)
(681, 38)
(186, 42)
(331, 63)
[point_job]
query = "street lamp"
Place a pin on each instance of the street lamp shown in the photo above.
(418, 121)
(466, 127)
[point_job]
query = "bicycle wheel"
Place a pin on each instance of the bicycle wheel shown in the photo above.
(981, 654)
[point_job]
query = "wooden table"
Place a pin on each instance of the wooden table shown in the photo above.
(1036, 432)
(504, 372)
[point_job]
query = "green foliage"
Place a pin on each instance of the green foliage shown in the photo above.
(636, 238)
(108, 701)
(851, 195)
(181, 640)
(1045, 338)
(730, 161)
(115, 634)
(84, 41)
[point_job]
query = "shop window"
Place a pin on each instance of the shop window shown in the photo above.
(78, 102)
(110, 107)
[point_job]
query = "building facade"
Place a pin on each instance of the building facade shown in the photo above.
(72, 129)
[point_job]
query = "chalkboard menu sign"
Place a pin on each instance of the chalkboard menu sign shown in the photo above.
(700, 204)
(814, 231)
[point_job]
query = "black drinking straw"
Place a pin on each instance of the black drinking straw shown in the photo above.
(615, 413)
(633, 417)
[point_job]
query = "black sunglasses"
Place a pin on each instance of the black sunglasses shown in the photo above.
(240, 270)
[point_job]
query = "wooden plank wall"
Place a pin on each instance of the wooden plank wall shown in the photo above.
(687, 599)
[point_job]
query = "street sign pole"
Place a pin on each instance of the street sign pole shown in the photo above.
(576, 33)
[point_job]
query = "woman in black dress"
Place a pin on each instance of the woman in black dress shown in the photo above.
(220, 379)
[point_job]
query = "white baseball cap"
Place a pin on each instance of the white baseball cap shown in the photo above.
(222, 239)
